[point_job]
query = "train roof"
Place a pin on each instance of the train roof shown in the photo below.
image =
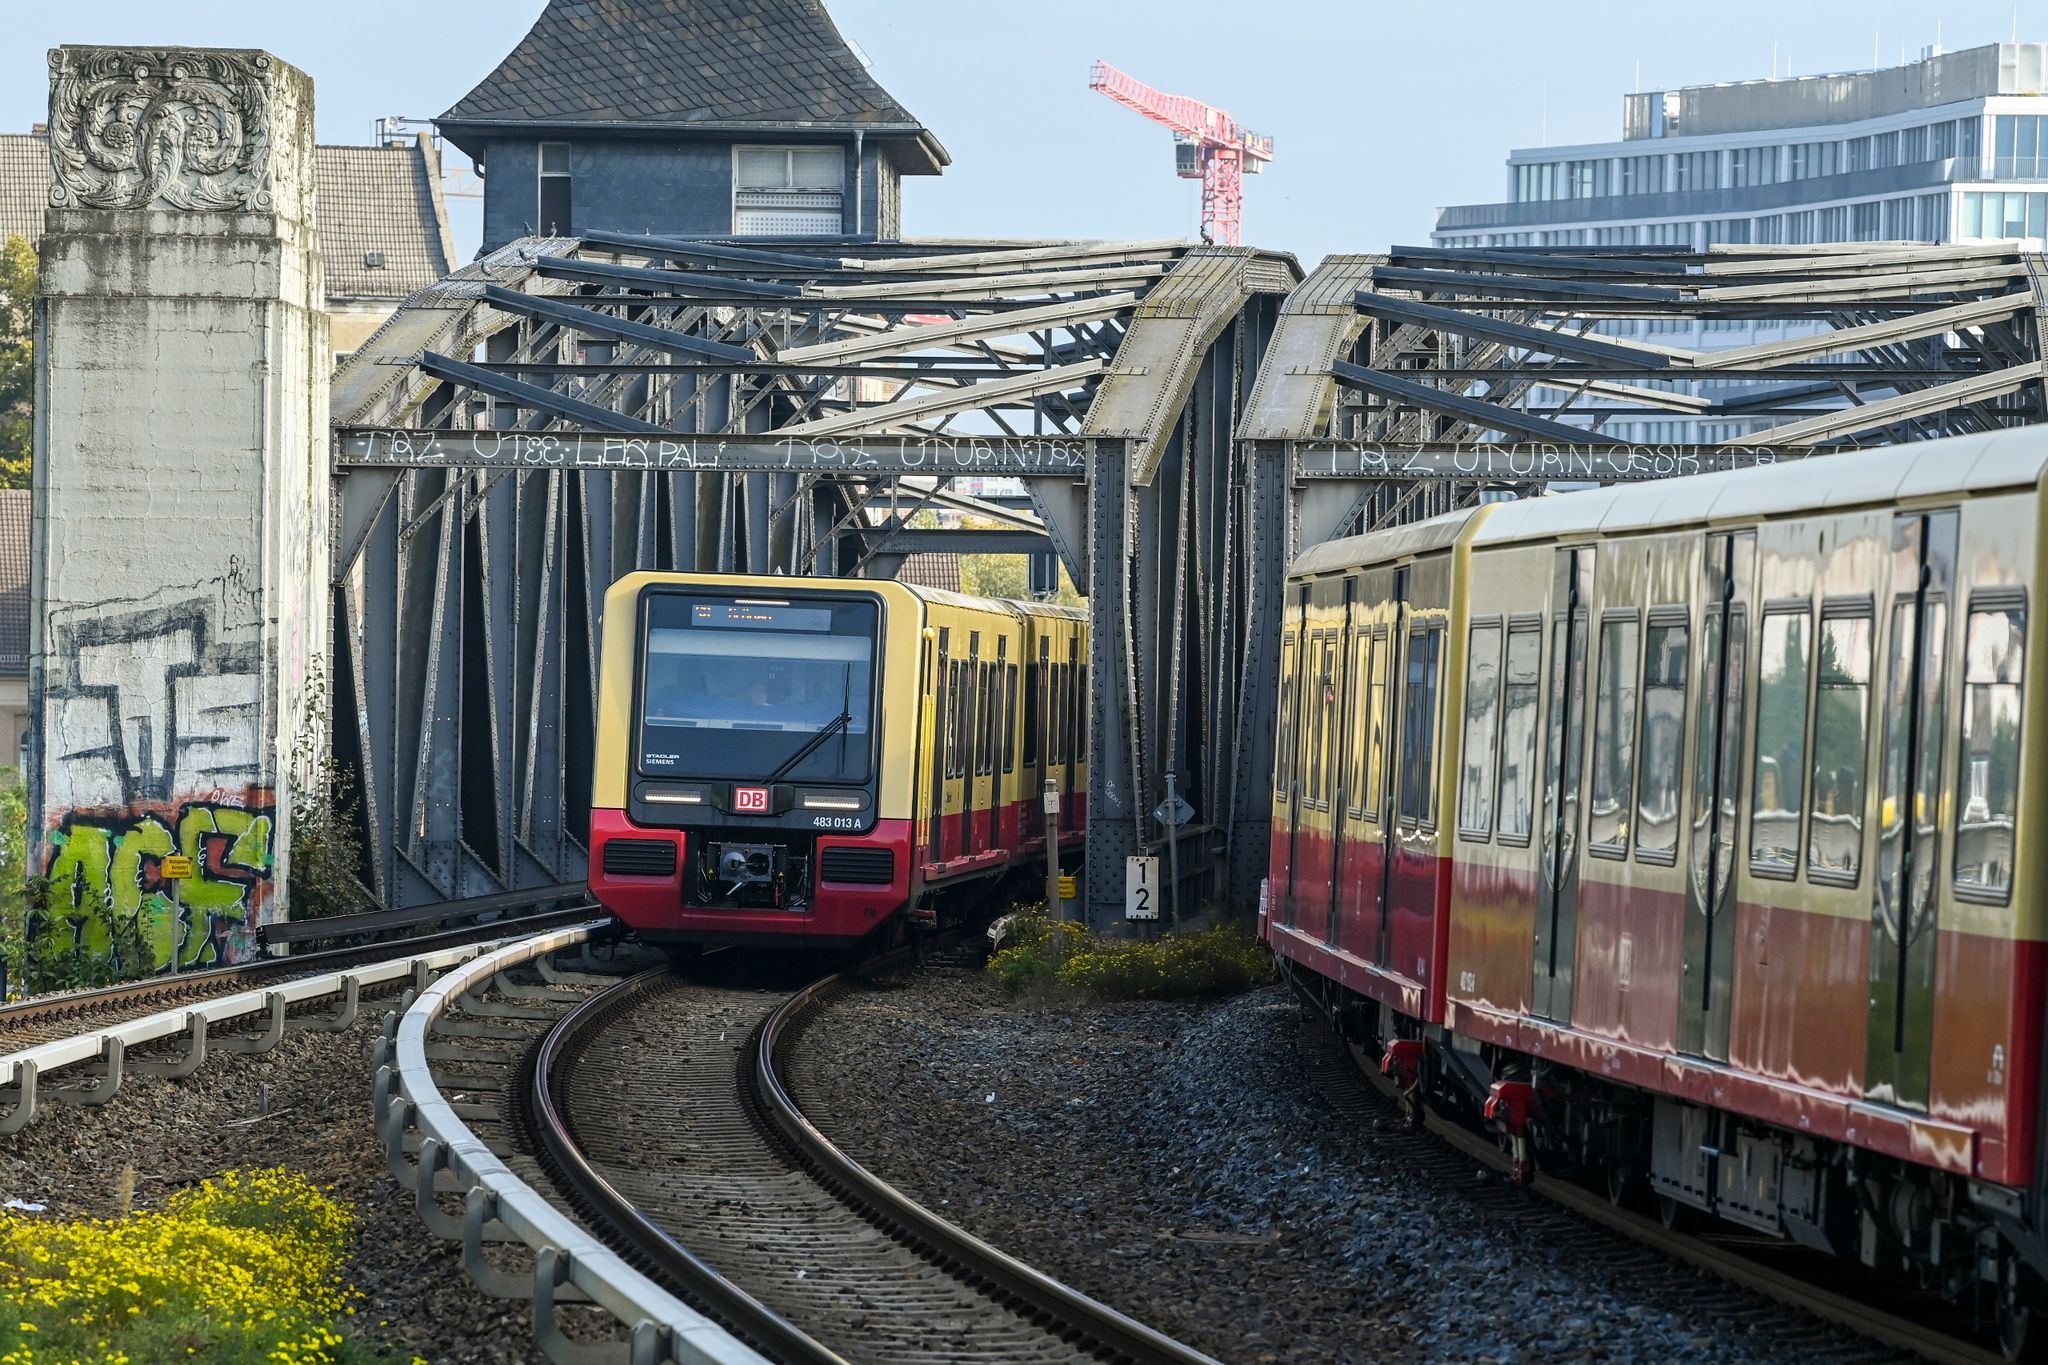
(960, 599)
(1959, 465)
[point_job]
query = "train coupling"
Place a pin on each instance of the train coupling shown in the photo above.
(1510, 1105)
(1403, 1062)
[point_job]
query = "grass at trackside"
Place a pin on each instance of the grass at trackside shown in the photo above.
(1040, 955)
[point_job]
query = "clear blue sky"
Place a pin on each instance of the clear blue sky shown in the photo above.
(1382, 112)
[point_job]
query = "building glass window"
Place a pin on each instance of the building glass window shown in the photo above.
(1912, 145)
(1841, 731)
(556, 209)
(1699, 171)
(788, 191)
(1941, 141)
(1642, 175)
(1807, 160)
(1482, 712)
(1867, 221)
(2019, 147)
(1753, 166)
(1994, 214)
(1994, 670)
(1780, 746)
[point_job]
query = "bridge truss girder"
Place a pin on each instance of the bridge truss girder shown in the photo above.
(566, 411)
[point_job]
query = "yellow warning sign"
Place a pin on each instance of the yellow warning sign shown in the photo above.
(1067, 889)
(176, 867)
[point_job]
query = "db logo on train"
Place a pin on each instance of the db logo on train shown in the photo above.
(750, 800)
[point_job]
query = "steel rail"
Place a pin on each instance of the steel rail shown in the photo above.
(1125, 1337)
(643, 1238)
(72, 1003)
(499, 1205)
(1721, 1262)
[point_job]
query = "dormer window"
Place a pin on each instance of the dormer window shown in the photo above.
(788, 191)
(555, 205)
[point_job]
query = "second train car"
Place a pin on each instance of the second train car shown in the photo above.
(1692, 831)
(818, 760)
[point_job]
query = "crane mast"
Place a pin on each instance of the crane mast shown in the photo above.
(1209, 145)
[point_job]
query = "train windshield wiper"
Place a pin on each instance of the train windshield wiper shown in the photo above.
(838, 723)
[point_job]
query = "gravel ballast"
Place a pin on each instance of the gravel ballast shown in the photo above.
(305, 1105)
(1175, 1162)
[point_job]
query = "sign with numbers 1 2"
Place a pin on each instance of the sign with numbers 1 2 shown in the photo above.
(1141, 888)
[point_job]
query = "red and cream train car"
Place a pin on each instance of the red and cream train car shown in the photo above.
(807, 759)
(1683, 828)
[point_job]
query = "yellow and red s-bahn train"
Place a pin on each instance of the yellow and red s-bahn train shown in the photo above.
(813, 759)
(1692, 833)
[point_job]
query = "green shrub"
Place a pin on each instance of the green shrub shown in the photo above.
(1040, 952)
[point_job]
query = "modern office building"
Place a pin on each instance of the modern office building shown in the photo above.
(1952, 147)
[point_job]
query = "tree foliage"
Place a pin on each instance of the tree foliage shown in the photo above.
(17, 360)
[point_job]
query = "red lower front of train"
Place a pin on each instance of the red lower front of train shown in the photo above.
(854, 884)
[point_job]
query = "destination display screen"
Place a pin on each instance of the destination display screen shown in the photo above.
(759, 616)
(757, 690)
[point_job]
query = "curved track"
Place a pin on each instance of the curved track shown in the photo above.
(660, 1106)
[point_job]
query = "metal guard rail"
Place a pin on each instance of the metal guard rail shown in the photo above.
(106, 1047)
(499, 1206)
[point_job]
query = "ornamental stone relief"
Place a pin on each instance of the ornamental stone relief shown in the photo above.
(141, 129)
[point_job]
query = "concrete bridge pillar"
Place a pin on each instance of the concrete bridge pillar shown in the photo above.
(181, 496)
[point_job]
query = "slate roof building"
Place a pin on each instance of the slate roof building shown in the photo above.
(711, 118)
(383, 224)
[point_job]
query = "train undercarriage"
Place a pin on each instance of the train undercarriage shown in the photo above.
(1976, 1244)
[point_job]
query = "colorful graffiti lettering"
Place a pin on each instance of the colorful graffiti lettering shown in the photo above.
(105, 874)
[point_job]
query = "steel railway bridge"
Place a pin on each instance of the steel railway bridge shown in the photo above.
(1185, 418)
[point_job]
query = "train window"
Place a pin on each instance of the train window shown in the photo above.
(1664, 660)
(1358, 763)
(1080, 712)
(1780, 746)
(1321, 709)
(1031, 691)
(1994, 670)
(1376, 724)
(1482, 712)
(1521, 684)
(1283, 736)
(952, 719)
(1010, 718)
(1841, 733)
(1418, 726)
(1614, 735)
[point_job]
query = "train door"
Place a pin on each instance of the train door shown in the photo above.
(1396, 702)
(1557, 891)
(1345, 781)
(942, 745)
(1902, 912)
(1726, 573)
(969, 762)
(1043, 719)
(1295, 652)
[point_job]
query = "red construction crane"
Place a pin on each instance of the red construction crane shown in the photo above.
(1208, 145)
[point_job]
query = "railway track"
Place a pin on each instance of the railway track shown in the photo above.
(1722, 1272)
(661, 1109)
(25, 1023)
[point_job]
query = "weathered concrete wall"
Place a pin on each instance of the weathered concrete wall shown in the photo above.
(181, 526)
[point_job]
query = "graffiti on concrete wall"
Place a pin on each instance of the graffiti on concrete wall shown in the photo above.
(107, 888)
(155, 743)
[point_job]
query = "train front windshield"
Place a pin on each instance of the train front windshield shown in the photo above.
(741, 688)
